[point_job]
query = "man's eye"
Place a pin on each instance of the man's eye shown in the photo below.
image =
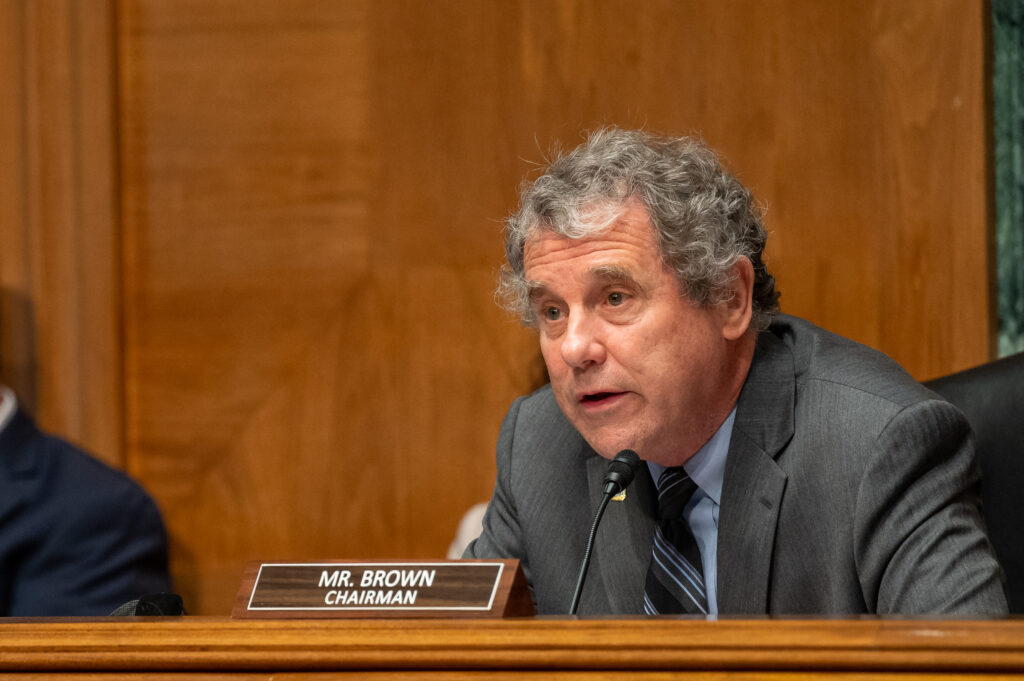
(616, 298)
(552, 314)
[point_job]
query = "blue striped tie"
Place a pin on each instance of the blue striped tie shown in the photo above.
(675, 581)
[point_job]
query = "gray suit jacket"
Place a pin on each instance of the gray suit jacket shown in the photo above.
(849, 488)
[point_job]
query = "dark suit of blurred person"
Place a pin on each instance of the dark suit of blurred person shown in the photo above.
(76, 536)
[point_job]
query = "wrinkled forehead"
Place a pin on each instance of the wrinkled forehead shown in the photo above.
(627, 238)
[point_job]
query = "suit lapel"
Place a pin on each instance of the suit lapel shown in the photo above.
(623, 545)
(754, 483)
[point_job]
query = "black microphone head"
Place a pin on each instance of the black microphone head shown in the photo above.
(152, 605)
(621, 471)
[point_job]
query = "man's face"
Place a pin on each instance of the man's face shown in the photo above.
(633, 362)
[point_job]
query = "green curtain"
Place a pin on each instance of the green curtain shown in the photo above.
(1008, 96)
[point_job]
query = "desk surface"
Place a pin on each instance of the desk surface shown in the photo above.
(545, 647)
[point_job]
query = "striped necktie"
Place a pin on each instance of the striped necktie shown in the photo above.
(675, 581)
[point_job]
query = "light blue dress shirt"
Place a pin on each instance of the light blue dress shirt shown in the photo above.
(707, 469)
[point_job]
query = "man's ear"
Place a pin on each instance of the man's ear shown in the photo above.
(736, 312)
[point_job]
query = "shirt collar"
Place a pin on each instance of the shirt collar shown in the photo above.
(8, 405)
(707, 466)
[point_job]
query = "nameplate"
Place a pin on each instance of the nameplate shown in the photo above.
(363, 589)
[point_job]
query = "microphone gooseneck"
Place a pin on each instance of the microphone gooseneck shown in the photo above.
(621, 472)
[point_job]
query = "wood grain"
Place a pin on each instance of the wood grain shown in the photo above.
(291, 373)
(819, 648)
(59, 233)
(614, 675)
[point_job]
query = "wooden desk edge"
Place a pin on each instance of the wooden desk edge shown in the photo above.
(537, 644)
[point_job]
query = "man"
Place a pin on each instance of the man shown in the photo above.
(814, 475)
(76, 537)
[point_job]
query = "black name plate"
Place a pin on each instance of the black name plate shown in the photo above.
(347, 589)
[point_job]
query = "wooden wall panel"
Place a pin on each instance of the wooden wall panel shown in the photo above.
(60, 324)
(311, 195)
(302, 368)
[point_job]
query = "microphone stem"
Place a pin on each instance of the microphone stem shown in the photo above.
(586, 556)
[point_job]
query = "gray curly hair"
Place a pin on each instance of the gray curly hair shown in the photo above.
(704, 218)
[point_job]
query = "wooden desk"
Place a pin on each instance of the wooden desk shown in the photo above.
(548, 648)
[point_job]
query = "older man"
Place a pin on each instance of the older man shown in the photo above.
(788, 470)
(76, 536)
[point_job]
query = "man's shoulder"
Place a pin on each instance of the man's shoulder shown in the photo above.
(537, 419)
(50, 465)
(826, 361)
(540, 404)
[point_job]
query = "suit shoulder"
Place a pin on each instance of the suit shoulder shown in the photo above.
(535, 423)
(539, 412)
(826, 361)
(52, 468)
(540, 405)
(68, 461)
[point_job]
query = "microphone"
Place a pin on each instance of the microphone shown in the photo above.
(620, 473)
(150, 605)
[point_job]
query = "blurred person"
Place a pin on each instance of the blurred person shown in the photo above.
(469, 528)
(77, 537)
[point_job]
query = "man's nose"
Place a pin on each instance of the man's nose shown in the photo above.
(583, 343)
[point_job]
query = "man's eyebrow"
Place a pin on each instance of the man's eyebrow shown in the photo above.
(535, 289)
(615, 274)
(609, 274)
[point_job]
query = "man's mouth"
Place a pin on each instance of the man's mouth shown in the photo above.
(596, 398)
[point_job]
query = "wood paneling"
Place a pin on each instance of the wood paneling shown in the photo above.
(313, 355)
(310, 198)
(860, 126)
(59, 250)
